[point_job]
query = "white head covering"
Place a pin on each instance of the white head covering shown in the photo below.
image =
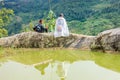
(61, 28)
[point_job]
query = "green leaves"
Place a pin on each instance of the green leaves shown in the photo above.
(5, 18)
(91, 26)
(5, 15)
(3, 32)
(50, 21)
(84, 16)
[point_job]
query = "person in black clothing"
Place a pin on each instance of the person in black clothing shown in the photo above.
(40, 28)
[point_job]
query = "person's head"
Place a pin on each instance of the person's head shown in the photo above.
(41, 21)
(61, 15)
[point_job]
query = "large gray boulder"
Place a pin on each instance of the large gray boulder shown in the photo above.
(46, 40)
(107, 40)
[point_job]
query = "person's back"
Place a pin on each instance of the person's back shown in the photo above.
(40, 28)
(61, 28)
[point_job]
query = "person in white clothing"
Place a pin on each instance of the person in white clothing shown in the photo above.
(61, 28)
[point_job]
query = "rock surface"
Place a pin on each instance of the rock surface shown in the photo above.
(46, 40)
(107, 40)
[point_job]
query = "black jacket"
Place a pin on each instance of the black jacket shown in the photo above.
(39, 28)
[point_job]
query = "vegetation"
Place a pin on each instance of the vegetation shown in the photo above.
(50, 21)
(88, 17)
(5, 15)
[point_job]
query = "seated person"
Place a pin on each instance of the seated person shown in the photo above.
(40, 28)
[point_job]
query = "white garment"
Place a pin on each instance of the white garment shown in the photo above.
(61, 28)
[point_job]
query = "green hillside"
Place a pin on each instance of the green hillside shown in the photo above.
(88, 17)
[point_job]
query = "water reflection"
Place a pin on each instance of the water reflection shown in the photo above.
(62, 70)
(42, 68)
(16, 71)
(88, 70)
(56, 70)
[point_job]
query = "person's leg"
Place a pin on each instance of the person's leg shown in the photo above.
(46, 30)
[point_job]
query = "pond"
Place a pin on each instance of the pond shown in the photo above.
(58, 64)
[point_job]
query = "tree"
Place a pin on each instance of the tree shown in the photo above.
(5, 18)
(50, 21)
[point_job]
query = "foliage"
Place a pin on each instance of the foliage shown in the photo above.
(50, 21)
(83, 16)
(27, 28)
(5, 18)
(93, 26)
(3, 32)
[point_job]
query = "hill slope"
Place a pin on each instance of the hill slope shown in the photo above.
(84, 16)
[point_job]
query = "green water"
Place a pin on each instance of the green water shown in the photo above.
(58, 64)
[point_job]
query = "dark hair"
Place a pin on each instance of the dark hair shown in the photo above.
(61, 14)
(40, 20)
